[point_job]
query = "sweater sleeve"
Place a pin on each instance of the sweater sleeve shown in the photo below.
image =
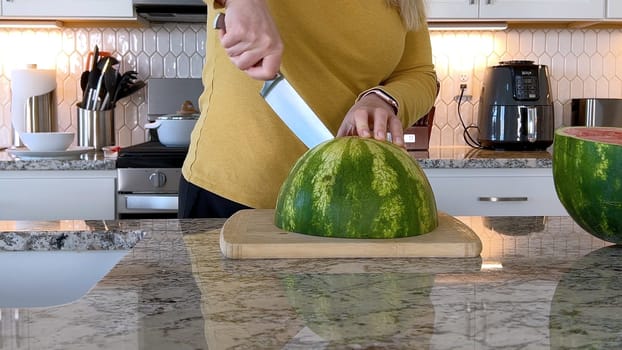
(413, 83)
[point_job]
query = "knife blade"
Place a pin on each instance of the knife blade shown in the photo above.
(292, 109)
(289, 106)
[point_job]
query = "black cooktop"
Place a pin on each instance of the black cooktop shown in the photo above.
(151, 154)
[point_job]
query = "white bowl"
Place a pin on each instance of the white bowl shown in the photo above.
(47, 141)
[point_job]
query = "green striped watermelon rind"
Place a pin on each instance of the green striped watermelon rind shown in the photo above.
(587, 172)
(384, 194)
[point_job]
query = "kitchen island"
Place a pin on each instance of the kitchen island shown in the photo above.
(540, 283)
(435, 157)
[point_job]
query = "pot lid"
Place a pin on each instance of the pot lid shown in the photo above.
(187, 111)
(178, 117)
(516, 63)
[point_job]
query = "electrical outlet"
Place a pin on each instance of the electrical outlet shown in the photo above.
(464, 84)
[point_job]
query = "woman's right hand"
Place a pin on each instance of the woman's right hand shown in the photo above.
(251, 38)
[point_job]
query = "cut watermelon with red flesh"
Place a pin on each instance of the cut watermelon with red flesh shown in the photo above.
(587, 171)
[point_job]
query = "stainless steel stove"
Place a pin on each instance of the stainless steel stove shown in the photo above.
(149, 173)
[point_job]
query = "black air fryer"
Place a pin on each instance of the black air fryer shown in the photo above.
(515, 107)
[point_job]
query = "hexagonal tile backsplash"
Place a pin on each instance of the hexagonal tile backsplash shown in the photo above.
(582, 63)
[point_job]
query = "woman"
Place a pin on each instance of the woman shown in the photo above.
(364, 66)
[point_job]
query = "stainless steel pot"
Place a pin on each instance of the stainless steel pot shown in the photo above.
(174, 130)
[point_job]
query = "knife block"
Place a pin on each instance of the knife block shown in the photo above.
(417, 136)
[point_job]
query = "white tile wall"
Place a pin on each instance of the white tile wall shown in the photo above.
(582, 63)
(161, 51)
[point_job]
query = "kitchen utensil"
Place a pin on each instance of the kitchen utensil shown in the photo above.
(251, 234)
(294, 111)
(96, 103)
(516, 109)
(92, 58)
(84, 80)
(110, 83)
(91, 98)
(107, 58)
(130, 89)
(92, 80)
(123, 81)
(290, 106)
(174, 130)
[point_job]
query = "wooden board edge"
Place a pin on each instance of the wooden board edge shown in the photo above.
(234, 250)
(294, 251)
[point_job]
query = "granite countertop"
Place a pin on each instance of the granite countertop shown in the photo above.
(87, 161)
(435, 157)
(540, 283)
(467, 157)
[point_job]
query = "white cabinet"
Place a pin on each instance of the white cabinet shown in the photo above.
(614, 9)
(452, 9)
(516, 9)
(67, 9)
(495, 192)
(58, 195)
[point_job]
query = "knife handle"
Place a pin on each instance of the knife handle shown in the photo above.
(219, 21)
(269, 84)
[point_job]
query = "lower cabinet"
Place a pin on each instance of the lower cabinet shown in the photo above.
(495, 192)
(58, 195)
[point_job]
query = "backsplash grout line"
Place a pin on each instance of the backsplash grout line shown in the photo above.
(582, 63)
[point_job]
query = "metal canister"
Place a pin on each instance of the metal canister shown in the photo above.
(95, 127)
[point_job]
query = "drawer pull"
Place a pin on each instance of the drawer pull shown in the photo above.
(502, 199)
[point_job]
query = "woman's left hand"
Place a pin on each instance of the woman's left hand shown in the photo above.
(372, 117)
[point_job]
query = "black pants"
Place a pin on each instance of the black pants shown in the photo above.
(195, 202)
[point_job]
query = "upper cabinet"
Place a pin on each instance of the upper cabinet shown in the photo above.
(614, 9)
(452, 9)
(67, 9)
(519, 9)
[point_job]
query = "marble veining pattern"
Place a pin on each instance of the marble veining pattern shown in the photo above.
(467, 157)
(485, 163)
(86, 162)
(435, 157)
(537, 281)
(95, 236)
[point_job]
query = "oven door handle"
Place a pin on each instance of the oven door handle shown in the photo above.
(150, 202)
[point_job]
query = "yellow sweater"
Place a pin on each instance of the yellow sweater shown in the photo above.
(333, 50)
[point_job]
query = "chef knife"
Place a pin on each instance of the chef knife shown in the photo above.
(289, 106)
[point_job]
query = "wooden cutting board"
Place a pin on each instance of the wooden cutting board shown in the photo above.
(251, 234)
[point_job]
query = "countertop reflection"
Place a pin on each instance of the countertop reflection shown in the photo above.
(538, 282)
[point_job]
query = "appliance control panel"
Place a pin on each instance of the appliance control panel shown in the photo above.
(526, 86)
(148, 180)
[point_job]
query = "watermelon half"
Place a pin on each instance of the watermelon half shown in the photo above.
(587, 171)
(353, 187)
(585, 308)
(373, 310)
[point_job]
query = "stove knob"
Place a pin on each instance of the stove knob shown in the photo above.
(157, 179)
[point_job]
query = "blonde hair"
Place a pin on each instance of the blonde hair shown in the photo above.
(412, 12)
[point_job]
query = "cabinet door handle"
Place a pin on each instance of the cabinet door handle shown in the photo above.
(471, 2)
(502, 199)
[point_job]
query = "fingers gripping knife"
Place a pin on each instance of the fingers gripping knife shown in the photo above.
(289, 106)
